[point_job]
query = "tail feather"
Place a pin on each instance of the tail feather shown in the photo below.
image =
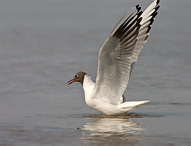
(127, 106)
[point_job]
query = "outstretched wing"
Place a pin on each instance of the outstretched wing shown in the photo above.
(118, 53)
(148, 17)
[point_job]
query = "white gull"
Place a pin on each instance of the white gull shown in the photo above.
(115, 62)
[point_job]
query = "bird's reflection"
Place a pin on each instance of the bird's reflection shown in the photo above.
(101, 129)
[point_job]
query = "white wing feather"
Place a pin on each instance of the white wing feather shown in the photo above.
(119, 51)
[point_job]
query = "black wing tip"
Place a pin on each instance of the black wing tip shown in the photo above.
(138, 7)
(152, 20)
(154, 15)
(127, 24)
(120, 31)
(157, 7)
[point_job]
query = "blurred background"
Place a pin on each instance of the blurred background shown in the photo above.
(43, 43)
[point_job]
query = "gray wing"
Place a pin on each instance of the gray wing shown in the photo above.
(148, 17)
(115, 57)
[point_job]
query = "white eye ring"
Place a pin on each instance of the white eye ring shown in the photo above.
(76, 76)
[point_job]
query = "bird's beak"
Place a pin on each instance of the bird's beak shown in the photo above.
(71, 81)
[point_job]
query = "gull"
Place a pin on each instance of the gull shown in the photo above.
(116, 59)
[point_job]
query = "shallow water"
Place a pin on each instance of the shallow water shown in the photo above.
(44, 43)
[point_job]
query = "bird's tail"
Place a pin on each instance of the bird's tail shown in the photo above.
(127, 106)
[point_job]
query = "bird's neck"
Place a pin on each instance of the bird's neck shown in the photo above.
(88, 86)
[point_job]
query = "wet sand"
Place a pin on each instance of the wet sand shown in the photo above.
(44, 43)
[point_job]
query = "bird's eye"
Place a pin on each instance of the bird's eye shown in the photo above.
(76, 76)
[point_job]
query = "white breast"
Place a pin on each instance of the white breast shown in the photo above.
(94, 102)
(88, 86)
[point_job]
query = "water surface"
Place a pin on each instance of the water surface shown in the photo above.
(44, 43)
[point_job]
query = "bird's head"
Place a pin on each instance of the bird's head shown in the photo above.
(79, 77)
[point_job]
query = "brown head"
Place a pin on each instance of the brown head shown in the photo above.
(79, 77)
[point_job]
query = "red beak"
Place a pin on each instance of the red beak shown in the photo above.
(71, 81)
